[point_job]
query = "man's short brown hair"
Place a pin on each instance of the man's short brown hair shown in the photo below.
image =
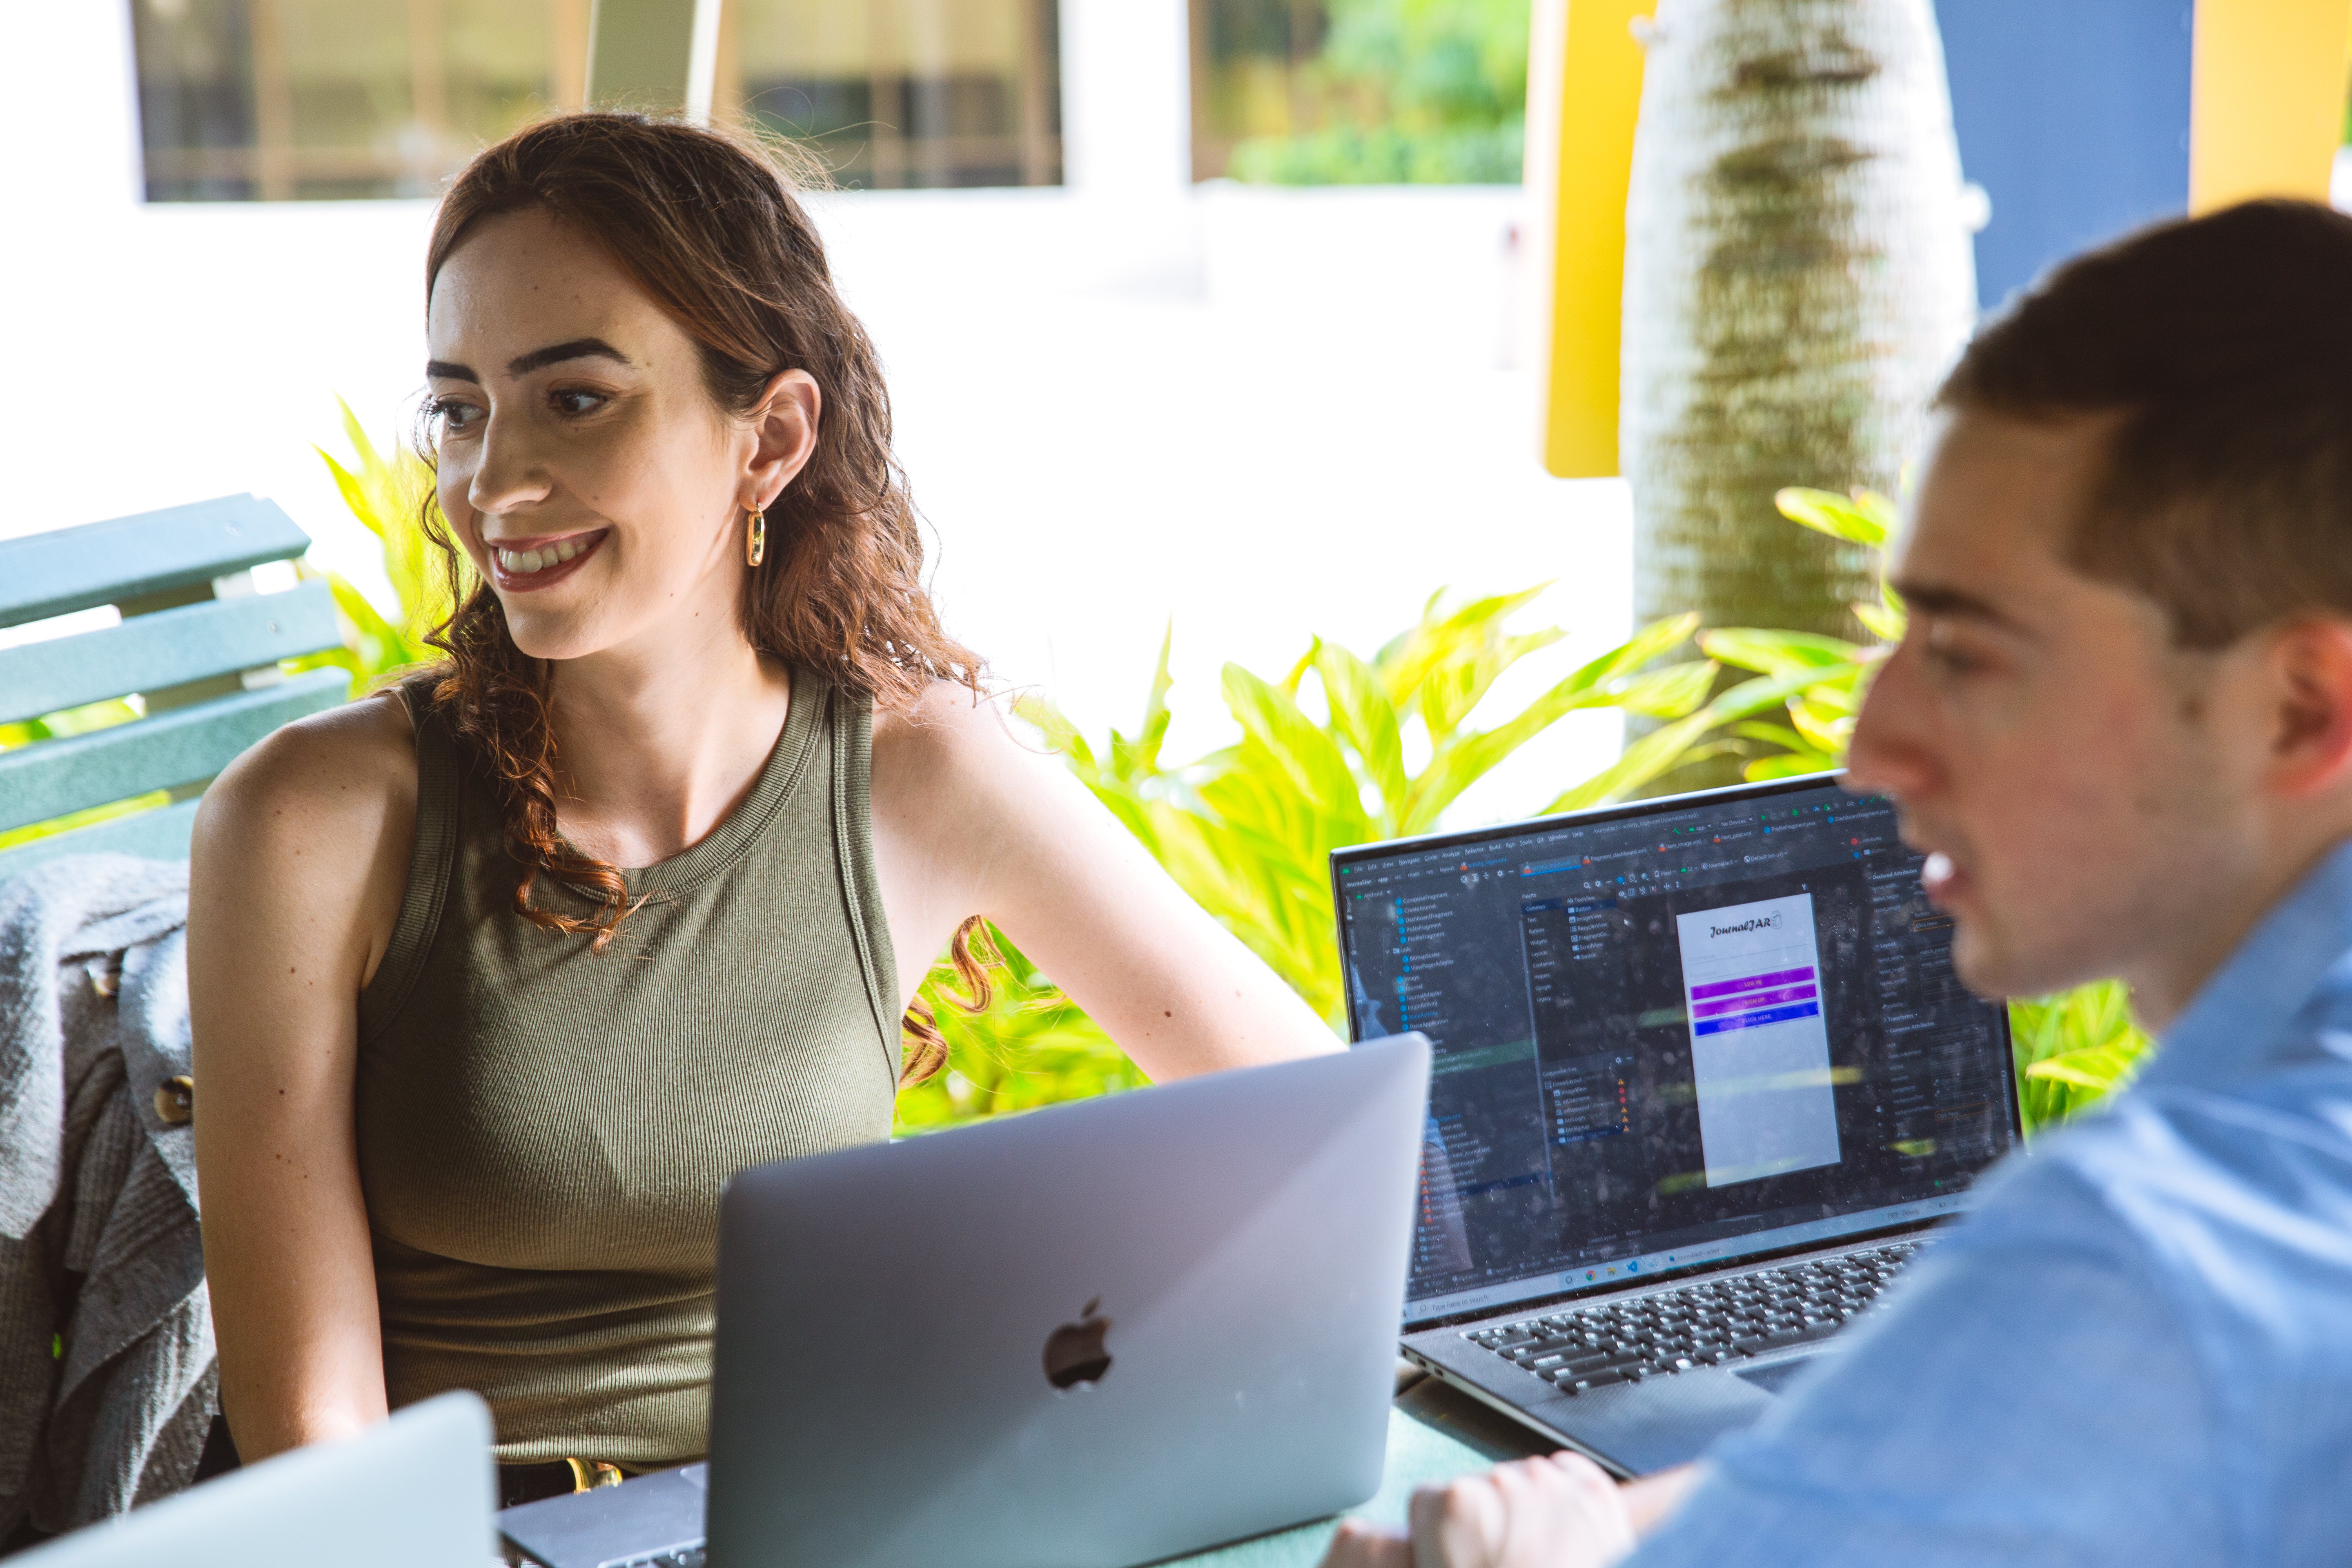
(2221, 347)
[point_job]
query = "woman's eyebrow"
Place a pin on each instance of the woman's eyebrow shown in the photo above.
(538, 359)
(555, 353)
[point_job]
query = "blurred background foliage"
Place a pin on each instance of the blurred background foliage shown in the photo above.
(387, 494)
(1320, 92)
(1339, 751)
(1032, 1046)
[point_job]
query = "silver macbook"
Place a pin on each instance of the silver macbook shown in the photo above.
(1096, 1334)
(412, 1490)
(1703, 1080)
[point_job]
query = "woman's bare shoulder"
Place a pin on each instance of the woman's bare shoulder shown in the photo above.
(951, 740)
(355, 761)
(324, 805)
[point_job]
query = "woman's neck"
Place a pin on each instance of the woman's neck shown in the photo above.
(656, 745)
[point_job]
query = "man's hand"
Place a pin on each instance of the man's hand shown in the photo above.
(1556, 1512)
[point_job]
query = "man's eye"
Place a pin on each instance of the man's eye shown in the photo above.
(1949, 652)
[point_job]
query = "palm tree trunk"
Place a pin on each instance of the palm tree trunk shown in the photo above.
(1797, 275)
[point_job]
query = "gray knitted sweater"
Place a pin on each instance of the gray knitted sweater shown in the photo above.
(107, 1379)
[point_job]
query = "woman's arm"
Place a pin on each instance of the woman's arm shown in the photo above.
(298, 861)
(970, 821)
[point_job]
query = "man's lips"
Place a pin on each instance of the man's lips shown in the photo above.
(523, 564)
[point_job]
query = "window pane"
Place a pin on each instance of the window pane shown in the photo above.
(281, 99)
(276, 99)
(195, 97)
(902, 93)
(1359, 91)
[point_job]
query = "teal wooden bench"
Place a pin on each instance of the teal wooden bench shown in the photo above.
(197, 648)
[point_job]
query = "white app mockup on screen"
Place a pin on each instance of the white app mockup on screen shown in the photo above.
(1759, 1045)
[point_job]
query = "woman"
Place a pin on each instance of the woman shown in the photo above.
(470, 1088)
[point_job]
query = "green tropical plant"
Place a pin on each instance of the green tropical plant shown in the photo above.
(1820, 713)
(385, 494)
(1030, 1046)
(1343, 751)
(2073, 1049)
(99, 715)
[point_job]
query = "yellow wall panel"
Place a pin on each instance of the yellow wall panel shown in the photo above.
(2266, 98)
(1584, 92)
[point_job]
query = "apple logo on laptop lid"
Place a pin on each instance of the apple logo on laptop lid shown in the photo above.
(1074, 1353)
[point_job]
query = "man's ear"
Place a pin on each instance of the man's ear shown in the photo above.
(2311, 741)
(785, 423)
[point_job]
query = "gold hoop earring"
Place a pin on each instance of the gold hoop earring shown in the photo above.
(755, 537)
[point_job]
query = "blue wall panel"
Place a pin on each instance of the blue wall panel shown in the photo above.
(2073, 116)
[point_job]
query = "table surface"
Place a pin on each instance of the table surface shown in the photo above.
(1435, 1434)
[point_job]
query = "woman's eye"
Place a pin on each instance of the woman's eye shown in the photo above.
(574, 402)
(451, 416)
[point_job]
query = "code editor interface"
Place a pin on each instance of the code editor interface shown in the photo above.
(1672, 1037)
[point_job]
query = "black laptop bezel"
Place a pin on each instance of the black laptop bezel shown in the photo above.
(1355, 854)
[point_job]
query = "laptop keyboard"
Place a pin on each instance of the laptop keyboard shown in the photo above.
(1705, 1323)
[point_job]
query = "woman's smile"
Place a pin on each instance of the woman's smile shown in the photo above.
(525, 565)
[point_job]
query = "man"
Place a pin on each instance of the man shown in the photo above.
(2121, 725)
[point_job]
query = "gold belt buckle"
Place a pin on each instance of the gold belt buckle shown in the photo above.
(589, 1474)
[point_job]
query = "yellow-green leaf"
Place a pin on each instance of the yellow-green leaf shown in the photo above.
(1668, 693)
(1882, 621)
(1362, 711)
(1864, 518)
(1776, 653)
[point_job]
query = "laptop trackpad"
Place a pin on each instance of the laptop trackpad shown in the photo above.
(1775, 1379)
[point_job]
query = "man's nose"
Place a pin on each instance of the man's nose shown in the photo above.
(1889, 754)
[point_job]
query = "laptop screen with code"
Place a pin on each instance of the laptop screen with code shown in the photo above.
(1670, 1035)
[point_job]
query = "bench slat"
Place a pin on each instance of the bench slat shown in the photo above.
(50, 778)
(45, 574)
(158, 835)
(169, 648)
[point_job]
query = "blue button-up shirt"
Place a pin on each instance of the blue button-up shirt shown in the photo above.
(2137, 1350)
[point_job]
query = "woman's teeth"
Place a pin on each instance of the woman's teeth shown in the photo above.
(523, 562)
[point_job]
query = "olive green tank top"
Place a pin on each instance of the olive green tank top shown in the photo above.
(544, 1129)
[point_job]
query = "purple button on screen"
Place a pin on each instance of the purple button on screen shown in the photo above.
(1753, 999)
(1750, 982)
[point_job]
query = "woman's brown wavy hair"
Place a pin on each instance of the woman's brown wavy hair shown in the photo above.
(707, 225)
